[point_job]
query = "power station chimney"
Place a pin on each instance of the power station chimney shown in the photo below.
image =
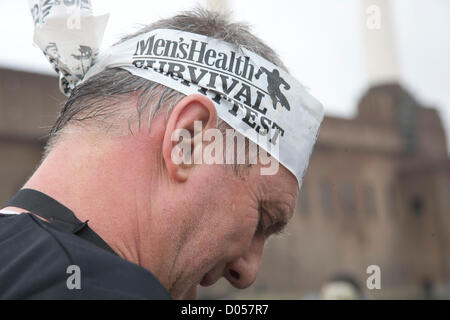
(381, 60)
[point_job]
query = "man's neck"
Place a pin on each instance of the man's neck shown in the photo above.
(113, 184)
(87, 183)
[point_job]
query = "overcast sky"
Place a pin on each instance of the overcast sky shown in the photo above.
(320, 41)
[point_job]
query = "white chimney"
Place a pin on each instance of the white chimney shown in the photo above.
(381, 60)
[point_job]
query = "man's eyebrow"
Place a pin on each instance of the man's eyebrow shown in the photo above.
(280, 216)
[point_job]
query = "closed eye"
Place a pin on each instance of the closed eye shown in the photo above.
(271, 228)
(260, 227)
(277, 229)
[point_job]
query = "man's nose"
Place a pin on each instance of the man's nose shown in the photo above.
(241, 273)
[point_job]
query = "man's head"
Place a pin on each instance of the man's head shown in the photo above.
(194, 223)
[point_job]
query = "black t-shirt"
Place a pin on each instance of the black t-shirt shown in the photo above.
(35, 257)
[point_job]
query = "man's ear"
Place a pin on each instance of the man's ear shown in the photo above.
(186, 116)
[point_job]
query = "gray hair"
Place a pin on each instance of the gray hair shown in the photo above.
(99, 99)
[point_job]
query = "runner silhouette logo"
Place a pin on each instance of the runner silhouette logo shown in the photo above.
(274, 81)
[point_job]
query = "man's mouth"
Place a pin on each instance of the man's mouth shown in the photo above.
(208, 280)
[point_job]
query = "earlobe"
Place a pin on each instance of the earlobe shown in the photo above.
(190, 111)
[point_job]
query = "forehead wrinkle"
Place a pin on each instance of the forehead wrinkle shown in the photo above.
(275, 194)
(282, 184)
(284, 202)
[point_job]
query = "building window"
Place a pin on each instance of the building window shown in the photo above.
(417, 206)
(326, 194)
(391, 198)
(347, 194)
(369, 201)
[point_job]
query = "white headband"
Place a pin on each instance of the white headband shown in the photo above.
(251, 94)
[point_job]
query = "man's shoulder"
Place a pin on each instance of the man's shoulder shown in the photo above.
(40, 261)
